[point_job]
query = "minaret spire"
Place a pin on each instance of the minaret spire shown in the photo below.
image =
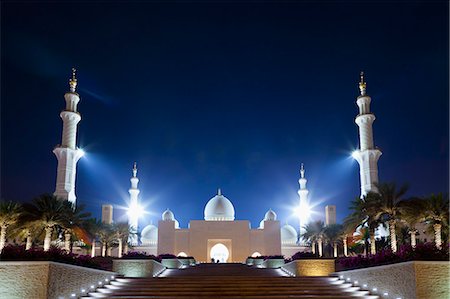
(134, 169)
(133, 208)
(73, 81)
(219, 192)
(367, 155)
(362, 84)
(67, 152)
(304, 202)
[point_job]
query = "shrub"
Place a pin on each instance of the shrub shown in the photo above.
(422, 252)
(304, 255)
(274, 257)
(138, 255)
(54, 254)
(166, 256)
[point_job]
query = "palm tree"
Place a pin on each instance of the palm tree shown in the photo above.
(10, 213)
(363, 236)
(412, 212)
(92, 226)
(26, 229)
(314, 233)
(122, 231)
(74, 218)
(107, 237)
(364, 214)
(332, 234)
(47, 212)
(389, 207)
(436, 214)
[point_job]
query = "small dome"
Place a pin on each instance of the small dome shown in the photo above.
(288, 235)
(219, 208)
(177, 224)
(168, 215)
(149, 235)
(270, 216)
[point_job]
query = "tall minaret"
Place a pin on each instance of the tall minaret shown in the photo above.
(67, 152)
(367, 155)
(304, 202)
(133, 209)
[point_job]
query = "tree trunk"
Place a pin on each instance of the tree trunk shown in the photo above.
(67, 241)
(48, 237)
(103, 249)
(93, 248)
(119, 252)
(320, 247)
(373, 248)
(335, 249)
(437, 235)
(3, 237)
(345, 246)
(413, 238)
(29, 243)
(313, 247)
(393, 236)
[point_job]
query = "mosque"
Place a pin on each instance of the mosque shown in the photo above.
(219, 235)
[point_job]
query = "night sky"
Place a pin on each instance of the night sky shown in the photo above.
(227, 94)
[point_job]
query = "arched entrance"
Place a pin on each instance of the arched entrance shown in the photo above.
(219, 252)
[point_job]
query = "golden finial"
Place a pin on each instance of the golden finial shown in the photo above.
(362, 84)
(73, 81)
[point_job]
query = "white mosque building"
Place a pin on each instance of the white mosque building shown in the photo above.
(219, 235)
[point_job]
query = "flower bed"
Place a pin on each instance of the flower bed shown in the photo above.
(55, 254)
(422, 252)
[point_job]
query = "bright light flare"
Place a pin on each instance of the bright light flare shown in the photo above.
(81, 152)
(303, 212)
(135, 211)
(355, 154)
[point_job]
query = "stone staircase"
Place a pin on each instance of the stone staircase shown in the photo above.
(229, 281)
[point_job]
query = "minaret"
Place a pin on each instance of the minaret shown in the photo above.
(133, 209)
(367, 155)
(67, 152)
(304, 202)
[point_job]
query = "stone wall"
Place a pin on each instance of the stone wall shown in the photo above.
(311, 267)
(23, 280)
(138, 267)
(409, 280)
(65, 280)
(42, 280)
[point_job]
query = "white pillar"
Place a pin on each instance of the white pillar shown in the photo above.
(133, 209)
(303, 203)
(345, 246)
(367, 155)
(320, 247)
(119, 253)
(93, 248)
(67, 153)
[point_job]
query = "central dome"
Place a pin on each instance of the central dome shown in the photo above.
(219, 208)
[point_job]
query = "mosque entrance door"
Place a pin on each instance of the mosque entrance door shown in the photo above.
(219, 252)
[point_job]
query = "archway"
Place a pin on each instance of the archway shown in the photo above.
(219, 252)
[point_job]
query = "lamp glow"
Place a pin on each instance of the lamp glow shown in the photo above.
(81, 152)
(135, 211)
(355, 154)
(303, 212)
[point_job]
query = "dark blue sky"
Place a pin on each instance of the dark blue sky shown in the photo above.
(231, 95)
